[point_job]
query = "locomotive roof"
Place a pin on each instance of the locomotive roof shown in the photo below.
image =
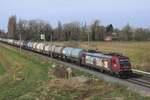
(98, 55)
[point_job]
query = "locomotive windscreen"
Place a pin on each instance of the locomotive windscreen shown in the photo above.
(125, 63)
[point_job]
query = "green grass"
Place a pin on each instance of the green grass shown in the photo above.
(26, 78)
(30, 69)
(2, 70)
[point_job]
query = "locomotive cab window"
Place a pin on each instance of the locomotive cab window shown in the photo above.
(124, 63)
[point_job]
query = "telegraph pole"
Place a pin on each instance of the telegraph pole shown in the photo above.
(44, 39)
(20, 43)
(53, 65)
(51, 44)
(88, 40)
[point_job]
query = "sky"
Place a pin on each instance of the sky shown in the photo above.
(116, 12)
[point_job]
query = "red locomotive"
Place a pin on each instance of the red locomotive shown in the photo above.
(116, 64)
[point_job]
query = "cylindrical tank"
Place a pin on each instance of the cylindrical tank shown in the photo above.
(58, 50)
(34, 45)
(24, 43)
(73, 52)
(41, 47)
(31, 44)
(67, 51)
(28, 44)
(10, 41)
(76, 53)
(47, 48)
(38, 46)
(52, 48)
(21, 43)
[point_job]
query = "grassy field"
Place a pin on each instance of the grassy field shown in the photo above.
(27, 76)
(2, 70)
(138, 52)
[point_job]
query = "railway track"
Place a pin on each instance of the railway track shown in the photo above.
(139, 81)
(136, 83)
(146, 77)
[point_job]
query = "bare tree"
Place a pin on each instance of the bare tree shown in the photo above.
(127, 32)
(72, 30)
(94, 28)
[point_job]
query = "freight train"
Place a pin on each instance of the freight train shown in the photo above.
(112, 63)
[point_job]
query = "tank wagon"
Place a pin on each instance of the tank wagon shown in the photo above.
(47, 49)
(58, 51)
(73, 54)
(34, 45)
(113, 63)
(39, 47)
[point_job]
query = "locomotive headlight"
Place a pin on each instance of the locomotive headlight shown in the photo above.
(115, 65)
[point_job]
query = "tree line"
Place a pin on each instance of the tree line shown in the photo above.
(32, 29)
